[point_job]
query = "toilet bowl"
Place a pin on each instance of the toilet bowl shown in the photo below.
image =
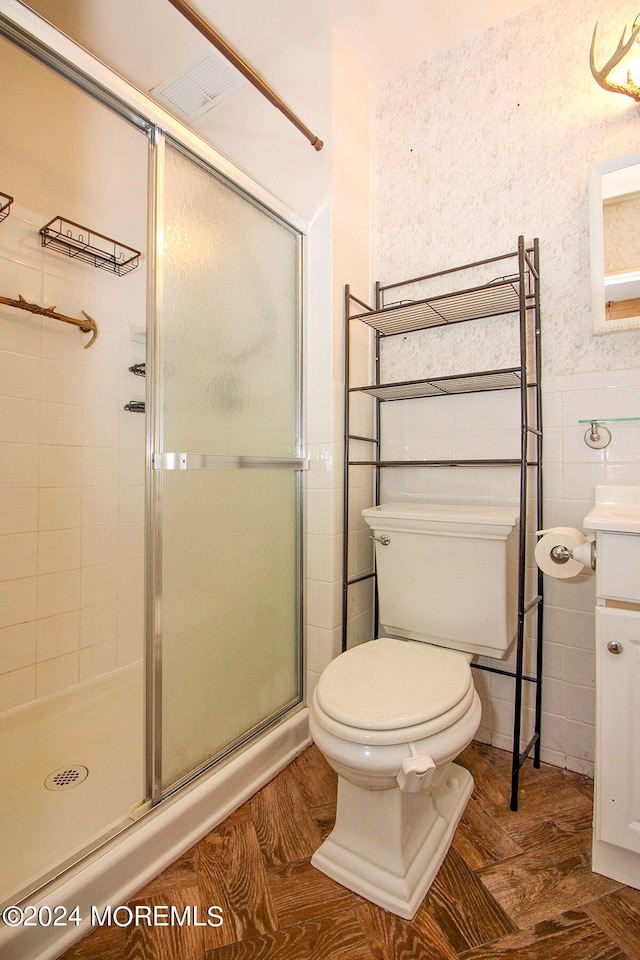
(392, 714)
(400, 797)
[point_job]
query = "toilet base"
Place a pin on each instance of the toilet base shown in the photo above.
(388, 845)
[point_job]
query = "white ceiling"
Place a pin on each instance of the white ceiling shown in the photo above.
(148, 40)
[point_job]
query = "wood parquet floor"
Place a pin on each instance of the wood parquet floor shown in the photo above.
(514, 886)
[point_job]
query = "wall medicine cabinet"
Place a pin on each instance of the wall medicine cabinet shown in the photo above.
(503, 308)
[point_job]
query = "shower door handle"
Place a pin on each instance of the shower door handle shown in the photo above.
(211, 461)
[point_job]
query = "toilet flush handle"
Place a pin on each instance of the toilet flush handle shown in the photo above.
(416, 772)
(382, 538)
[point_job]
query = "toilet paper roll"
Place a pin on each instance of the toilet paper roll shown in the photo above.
(567, 537)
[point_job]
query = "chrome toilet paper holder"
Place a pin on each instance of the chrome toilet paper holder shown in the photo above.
(562, 554)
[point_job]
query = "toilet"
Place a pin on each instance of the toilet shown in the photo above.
(392, 714)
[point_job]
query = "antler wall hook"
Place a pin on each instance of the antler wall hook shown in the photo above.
(630, 89)
(88, 325)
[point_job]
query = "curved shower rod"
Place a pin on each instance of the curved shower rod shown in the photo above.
(236, 60)
(88, 325)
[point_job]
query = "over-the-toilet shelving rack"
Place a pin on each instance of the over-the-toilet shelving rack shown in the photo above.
(517, 292)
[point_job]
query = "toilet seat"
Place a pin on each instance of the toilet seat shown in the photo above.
(390, 691)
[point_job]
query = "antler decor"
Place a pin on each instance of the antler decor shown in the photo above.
(88, 325)
(630, 89)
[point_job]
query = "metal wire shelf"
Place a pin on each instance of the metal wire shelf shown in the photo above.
(507, 379)
(475, 303)
(79, 242)
(5, 206)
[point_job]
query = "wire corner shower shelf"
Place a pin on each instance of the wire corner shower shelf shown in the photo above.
(5, 205)
(513, 297)
(81, 243)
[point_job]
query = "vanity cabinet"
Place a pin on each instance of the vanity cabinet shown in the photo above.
(618, 568)
(616, 836)
(618, 724)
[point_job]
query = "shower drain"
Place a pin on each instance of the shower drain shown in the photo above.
(66, 777)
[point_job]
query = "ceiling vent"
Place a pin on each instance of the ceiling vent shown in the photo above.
(199, 86)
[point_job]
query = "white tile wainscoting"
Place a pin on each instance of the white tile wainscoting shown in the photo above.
(72, 474)
(481, 426)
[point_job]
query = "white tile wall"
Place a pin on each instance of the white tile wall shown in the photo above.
(324, 429)
(571, 470)
(71, 472)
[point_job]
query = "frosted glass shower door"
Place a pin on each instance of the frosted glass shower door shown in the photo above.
(227, 470)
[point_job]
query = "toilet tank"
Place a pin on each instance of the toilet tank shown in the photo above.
(448, 574)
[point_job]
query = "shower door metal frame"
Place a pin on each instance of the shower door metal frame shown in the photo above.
(34, 35)
(159, 461)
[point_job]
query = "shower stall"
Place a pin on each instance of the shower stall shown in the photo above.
(151, 463)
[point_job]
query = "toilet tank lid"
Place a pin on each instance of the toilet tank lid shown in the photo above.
(507, 516)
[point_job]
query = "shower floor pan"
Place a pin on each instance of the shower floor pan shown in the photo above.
(72, 769)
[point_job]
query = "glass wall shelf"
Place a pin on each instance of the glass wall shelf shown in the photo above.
(598, 437)
(609, 420)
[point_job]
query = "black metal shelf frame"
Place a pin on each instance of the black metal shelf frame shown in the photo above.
(516, 294)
